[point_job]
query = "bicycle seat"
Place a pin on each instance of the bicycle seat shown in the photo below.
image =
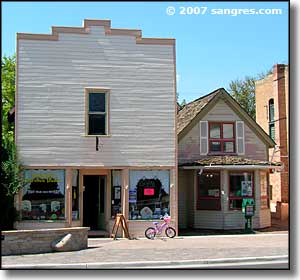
(155, 223)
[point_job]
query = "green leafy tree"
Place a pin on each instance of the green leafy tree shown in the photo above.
(183, 103)
(8, 65)
(243, 91)
(11, 170)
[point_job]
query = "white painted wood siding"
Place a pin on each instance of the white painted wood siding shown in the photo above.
(189, 145)
(51, 110)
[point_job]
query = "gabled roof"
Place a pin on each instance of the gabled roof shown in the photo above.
(194, 111)
(190, 110)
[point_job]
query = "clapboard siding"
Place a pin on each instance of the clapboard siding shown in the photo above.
(52, 76)
(223, 219)
(208, 219)
(189, 146)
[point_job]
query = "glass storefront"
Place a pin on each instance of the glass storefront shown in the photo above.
(116, 193)
(240, 186)
(149, 194)
(44, 195)
(75, 195)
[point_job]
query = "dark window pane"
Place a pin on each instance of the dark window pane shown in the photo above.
(209, 184)
(228, 130)
(215, 131)
(235, 203)
(272, 130)
(228, 147)
(215, 146)
(96, 102)
(271, 110)
(97, 124)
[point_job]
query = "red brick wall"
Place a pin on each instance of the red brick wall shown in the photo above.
(276, 86)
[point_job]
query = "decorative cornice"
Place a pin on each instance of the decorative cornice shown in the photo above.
(87, 23)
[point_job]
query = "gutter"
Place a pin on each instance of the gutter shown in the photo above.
(244, 167)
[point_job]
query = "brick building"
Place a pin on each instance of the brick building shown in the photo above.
(272, 110)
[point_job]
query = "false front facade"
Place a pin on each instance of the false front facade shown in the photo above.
(96, 127)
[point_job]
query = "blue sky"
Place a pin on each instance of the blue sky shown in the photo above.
(211, 50)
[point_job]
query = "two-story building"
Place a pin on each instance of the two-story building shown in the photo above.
(272, 114)
(95, 127)
(223, 158)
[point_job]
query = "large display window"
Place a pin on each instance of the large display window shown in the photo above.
(240, 186)
(116, 193)
(209, 191)
(149, 194)
(44, 195)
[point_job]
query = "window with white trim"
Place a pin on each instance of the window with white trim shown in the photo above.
(97, 115)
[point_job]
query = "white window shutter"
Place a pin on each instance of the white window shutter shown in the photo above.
(240, 137)
(203, 137)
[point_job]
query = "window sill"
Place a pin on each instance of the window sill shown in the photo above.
(221, 154)
(86, 135)
(43, 221)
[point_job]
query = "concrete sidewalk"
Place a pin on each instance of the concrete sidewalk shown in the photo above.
(123, 253)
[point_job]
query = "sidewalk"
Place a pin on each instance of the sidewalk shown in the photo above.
(121, 253)
(277, 226)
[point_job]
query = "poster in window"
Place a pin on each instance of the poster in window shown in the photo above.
(246, 188)
(117, 192)
(132, 196)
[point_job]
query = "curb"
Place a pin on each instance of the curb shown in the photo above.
(154, 264)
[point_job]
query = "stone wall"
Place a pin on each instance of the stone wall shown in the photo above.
(18, 242)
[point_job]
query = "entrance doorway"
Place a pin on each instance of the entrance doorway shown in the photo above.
(94, 201)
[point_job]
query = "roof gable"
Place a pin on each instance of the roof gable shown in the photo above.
(194, 111)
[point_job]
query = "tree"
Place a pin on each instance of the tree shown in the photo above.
(183, 103)
(243, 91)
(8, 65)
(11, 170)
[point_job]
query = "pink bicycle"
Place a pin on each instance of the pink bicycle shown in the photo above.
(151, 232)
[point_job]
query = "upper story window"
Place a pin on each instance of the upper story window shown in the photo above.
(97, 112)
(271, 119)
(221, 137)
(271, 110)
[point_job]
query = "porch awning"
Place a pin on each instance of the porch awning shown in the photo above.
(230, 162)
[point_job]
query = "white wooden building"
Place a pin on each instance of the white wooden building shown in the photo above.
(223, 159)
(96, 113)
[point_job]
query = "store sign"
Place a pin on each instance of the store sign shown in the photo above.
(149, 191)
(41, 183)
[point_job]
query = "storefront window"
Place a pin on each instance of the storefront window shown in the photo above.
(209, 191)
(149, 194)
(115, 192)
(264, 196)
(44, 195)
(75, 195)
(240, 186)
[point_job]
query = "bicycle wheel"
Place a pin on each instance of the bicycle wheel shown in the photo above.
(170, 232)
(150, 233)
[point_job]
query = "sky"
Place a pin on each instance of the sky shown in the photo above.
(211, 49)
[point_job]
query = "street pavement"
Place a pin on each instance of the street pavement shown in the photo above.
(218, 251)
